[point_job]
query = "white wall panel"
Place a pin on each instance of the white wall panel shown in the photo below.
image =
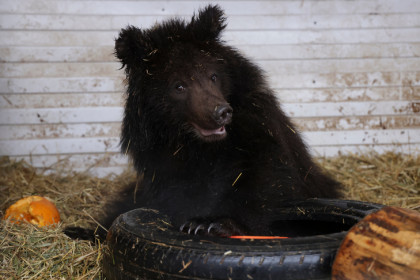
(346, 71)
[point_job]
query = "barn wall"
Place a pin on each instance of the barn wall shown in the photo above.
(347, 72)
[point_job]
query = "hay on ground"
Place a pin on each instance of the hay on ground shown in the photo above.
(27, 252)
(389, 179)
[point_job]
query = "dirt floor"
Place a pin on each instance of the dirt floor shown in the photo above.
(27, 252)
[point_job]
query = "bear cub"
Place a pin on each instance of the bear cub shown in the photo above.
(211, 146)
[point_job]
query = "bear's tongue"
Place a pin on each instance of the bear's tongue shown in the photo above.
(209, 132)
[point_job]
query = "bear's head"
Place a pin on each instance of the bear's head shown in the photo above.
(179, 82)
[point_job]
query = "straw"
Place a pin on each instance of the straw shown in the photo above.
(27, 252)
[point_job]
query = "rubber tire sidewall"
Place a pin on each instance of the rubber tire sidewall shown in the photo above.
(141, 244)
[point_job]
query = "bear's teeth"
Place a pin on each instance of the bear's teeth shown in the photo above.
(218, 131)
(209, 132)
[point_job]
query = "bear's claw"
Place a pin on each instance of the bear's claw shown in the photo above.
(224, 227)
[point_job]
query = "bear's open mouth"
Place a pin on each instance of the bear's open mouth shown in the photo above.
(218, 132)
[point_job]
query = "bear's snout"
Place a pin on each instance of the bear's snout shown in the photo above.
(222, 114)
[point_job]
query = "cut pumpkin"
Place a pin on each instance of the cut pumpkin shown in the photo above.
(36, 210)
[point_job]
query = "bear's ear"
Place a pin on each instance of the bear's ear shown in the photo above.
(209, 23)
(131, 47)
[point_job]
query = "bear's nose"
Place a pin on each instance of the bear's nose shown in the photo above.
(223, 114)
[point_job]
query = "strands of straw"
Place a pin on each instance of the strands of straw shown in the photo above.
(389, 179)
(27, 252)
(74, 194)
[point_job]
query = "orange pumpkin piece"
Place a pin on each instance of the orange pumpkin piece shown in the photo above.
(36, 210)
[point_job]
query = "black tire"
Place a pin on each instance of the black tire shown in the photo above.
(143, 245)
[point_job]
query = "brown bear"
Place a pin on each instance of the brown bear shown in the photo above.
(211, 145)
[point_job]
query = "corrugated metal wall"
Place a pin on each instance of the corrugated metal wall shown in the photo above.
(347, 71)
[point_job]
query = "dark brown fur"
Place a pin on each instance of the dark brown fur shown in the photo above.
(227, 182)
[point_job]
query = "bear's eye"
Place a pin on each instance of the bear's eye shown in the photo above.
(213, 77)
(179, 87)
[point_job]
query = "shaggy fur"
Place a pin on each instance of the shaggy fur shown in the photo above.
(212, 148)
